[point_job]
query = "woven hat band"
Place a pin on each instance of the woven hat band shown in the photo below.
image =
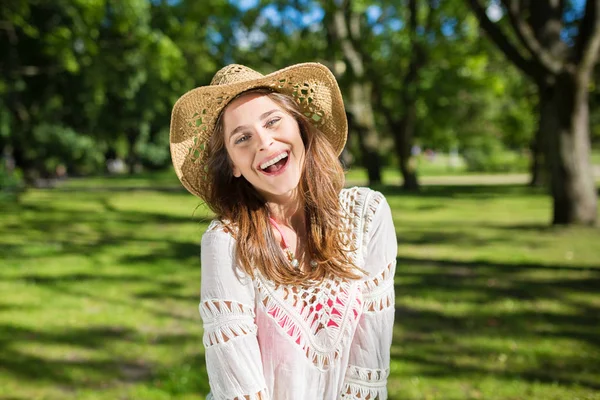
(233, 74)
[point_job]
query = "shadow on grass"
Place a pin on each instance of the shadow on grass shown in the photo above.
(120, 189)
(74, 371)
(189, 377)
(426, 337)
(506, 305)
(114, 260)
(60, 231)
(29, 366)
(498, 268)
(463, 191)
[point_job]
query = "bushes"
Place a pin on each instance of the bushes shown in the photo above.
(51, 150)
(11, 182)
(54, 146)
(488, 154)
(154, 152)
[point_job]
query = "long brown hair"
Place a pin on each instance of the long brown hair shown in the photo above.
(246, 215)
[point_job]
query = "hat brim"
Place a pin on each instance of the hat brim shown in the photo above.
(194, 115)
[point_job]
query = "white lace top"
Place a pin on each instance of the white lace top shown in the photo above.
(329, 341)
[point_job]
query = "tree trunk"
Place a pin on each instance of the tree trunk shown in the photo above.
(537, 169)
(403, 139)
(131, 159)
(565, 70)
(364, 122)
(404, 135)
(20, 132)
(539, 146)
(572, 180)
(343, 25)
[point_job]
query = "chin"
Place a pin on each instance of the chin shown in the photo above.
(280, 191)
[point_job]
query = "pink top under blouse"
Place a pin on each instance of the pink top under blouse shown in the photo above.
(328, 341)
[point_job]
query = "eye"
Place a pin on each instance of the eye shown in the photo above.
(242, 139)
(272, 122)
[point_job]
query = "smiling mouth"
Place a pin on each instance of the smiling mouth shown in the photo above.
(275, 165)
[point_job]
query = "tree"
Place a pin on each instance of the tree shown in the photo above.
(435, 83)
(105, 73)
(344, 24)
(561, 62)
(402, 126)
(42, 47)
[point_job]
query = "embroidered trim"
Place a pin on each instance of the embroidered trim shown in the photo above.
(319, 319)
(352, 202)
(262, 395)
(362, 382)
(225, 320)
(360, 205)
(372, 203)
(378, 292)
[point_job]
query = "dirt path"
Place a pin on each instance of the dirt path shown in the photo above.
(483, 179)
(504, 179)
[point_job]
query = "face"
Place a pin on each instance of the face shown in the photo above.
(264, 144)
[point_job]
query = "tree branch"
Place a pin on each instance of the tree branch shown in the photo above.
(418, 55)
(430, 16)
(343, 35)
(356, 34)
(529, 40)
(589, 37)
(496, 35)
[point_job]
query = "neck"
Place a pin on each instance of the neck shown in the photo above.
(288, 212)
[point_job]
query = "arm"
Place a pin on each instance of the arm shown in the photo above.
(368, 369)
(233, 358)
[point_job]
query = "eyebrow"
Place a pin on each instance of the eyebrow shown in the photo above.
(242, 127)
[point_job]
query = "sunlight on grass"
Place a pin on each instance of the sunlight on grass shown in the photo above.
(100, 282)
(595, 156)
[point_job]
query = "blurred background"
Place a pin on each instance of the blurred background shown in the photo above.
(478, 119)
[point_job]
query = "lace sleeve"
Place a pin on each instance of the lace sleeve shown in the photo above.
(233, 358)
(368, 369)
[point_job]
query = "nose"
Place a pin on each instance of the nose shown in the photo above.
(265, 139)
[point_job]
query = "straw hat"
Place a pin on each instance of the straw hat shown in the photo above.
(194, 115)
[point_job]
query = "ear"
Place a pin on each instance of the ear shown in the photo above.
(236, 172)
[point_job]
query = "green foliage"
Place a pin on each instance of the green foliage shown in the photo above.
(11, 183)
(53, 146)
(464, 88)
(489, 154)
(153, 153)
(111, 70)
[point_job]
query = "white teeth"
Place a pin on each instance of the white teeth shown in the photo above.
(273, 161)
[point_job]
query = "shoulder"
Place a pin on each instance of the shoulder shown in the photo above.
(221, 275)
(218, 229)
(217, 239)
(360, 195)
(366, 211)
(362, 203)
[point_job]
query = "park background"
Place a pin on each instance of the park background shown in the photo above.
(478, 120)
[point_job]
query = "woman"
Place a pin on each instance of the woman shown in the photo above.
(297, 294)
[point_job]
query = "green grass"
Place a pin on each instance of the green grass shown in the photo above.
(100, 290)
(595, 156)
(439, 166)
